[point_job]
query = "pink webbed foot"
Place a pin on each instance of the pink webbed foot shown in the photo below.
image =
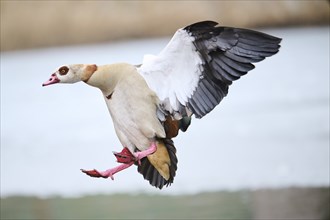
(125, 156)
(94, 173)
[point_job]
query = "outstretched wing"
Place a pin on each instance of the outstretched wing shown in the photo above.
(191, 75)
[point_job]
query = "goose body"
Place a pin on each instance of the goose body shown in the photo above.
(133, 111)
(151, 102)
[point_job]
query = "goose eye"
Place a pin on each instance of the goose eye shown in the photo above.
(63, 70)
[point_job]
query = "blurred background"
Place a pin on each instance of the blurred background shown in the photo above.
(30, 24)
(263, 153)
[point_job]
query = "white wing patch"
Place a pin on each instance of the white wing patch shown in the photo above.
(173, 74)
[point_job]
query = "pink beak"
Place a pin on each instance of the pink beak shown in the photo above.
(52, 80)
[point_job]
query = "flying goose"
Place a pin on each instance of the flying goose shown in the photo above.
(151, 102)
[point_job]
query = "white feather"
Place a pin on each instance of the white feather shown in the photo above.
(174, 73)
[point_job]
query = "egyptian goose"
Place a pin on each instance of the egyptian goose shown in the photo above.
(151, 102)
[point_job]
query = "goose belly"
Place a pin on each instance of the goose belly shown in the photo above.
(134, 119)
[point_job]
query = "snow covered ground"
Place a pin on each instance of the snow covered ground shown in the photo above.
(272, 130)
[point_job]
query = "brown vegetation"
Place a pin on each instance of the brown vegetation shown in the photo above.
(27, 24)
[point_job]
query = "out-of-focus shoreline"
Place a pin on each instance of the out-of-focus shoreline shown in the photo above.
(31, 24)
(280, 203)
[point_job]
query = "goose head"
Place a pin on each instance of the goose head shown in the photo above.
(71, 74)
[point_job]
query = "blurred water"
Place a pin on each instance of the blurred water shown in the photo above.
(271, 131)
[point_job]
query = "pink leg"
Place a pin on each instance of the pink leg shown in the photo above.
(124, 157)
(142, 154)
(107, 173)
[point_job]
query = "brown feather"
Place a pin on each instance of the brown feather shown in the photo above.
(161, 160)
(160, 167)
(171, 127)
(162, 172)
(90, 69)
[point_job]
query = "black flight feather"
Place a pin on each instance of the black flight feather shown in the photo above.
(227, 54)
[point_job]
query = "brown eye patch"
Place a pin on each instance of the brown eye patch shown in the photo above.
(63, 70)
